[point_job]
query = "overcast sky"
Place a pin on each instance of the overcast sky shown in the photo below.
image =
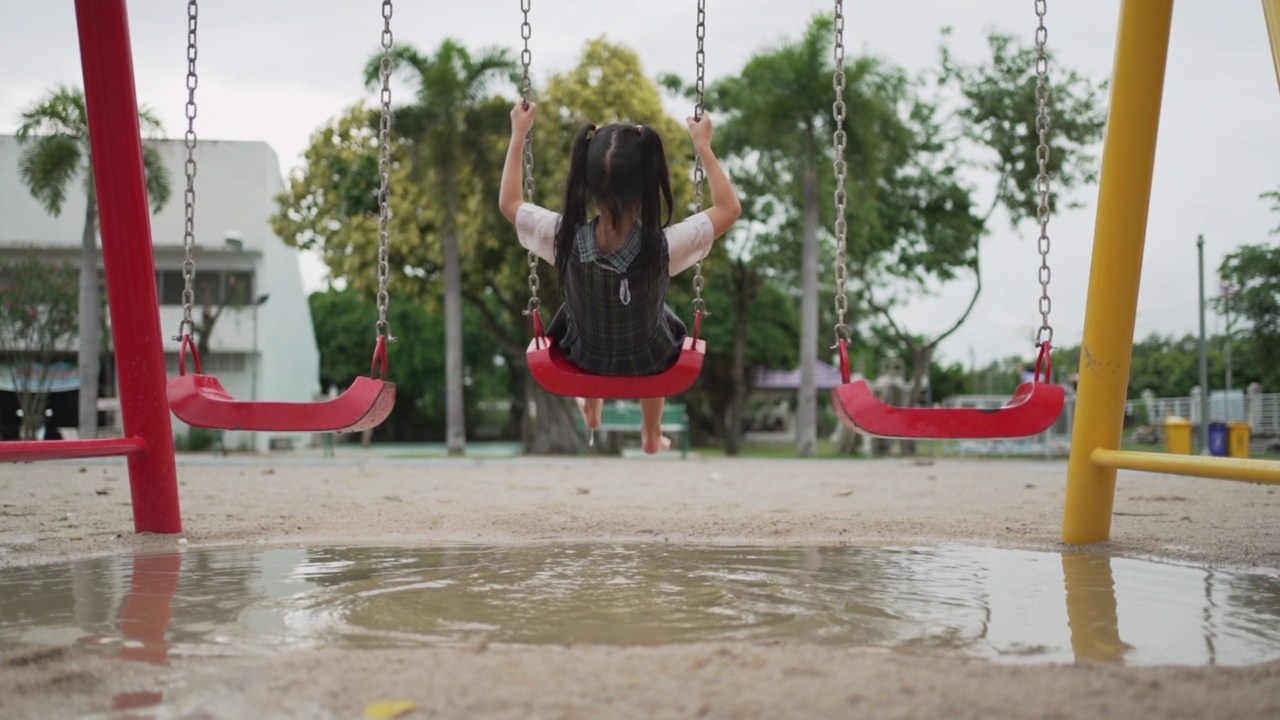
(275, 70)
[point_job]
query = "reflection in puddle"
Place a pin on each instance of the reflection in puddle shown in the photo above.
(1003, 605)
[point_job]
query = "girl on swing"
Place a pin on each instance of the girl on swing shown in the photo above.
(615, 267)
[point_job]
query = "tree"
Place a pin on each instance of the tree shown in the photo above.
(763, 331)
(55, 136)
(331, 206)
(37, 322)
(451, 86)
(780, 126)
(1253, 273)
(996, 122)
(780, 107)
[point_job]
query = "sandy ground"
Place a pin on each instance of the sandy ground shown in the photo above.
(58, 511)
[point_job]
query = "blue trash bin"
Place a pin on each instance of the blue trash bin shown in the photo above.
(1218, 439)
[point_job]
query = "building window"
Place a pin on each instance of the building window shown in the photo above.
(237, 288)
(212, 287)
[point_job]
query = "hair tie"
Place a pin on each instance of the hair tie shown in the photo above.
(591, 130)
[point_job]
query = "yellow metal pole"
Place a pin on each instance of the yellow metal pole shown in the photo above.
(1220, 468)
(1271, 9)
(1092, 615)
(1124, 193)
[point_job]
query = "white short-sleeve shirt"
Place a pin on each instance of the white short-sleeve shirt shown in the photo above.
(688, 241)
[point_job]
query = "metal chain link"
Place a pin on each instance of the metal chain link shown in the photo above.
(839, 139)
(383, 326)
(526, 88)
(1045, 333)
(699, 173)
(188, 325)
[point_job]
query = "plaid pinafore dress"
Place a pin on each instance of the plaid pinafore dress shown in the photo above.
(615, 319)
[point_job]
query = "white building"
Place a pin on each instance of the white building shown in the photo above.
(263, 346)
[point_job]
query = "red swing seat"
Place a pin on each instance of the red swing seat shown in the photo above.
(553, 371)
(201, 401)
(1034, 407)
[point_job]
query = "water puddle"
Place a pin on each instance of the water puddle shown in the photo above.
(1001, 605)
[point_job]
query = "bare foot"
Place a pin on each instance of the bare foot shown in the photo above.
(653, 446)
(592, 410)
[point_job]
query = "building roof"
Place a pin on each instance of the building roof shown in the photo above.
(826, 377)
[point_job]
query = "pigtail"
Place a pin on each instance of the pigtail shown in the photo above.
(574, 212)
(655, 195)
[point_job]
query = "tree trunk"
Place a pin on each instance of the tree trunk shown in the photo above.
(32, 405)
(87, 356)
(455, 416)
(743, 292)
(554, 423)
(806, 404)
(921, 357)
(738, 402)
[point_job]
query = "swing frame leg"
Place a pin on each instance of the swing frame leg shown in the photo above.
(1124, 195)
(125, 220)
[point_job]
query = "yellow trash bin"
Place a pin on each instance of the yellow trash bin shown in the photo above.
(1177, 435)
(1238, 439)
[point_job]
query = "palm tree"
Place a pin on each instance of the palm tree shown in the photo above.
(781, 103)
(451, 88)
(55, 136)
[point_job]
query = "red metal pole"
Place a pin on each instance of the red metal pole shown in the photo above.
(116, 140)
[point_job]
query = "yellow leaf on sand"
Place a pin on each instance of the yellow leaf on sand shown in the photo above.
(388, 709)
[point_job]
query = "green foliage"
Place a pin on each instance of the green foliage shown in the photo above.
(1000, 377)
(773, 330)
(999, 116)
(1170, 366)
(1274, 196)
(949, 380)
(1251, 292)
(907, 214)
(608, 85)
(38, 319)
(196, 439)
(55, 137)
(344, 331)
(331, 206)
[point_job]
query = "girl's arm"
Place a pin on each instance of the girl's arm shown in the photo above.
(725, 207)
(511, 193)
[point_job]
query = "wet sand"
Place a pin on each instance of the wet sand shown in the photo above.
(60, 511)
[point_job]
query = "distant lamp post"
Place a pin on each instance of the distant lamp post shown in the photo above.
(257, 303)
(1204, 359)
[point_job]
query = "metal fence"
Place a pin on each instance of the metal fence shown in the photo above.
(1266, 421)
(1261, 411)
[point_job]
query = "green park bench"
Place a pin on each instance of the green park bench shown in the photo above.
(624, 416)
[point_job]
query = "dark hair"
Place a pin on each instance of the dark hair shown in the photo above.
(618, 168)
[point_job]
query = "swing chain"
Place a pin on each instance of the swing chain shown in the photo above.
(383, 326)
(839, 138)
(188, 326)
(1045, 333)
(699, 173)
(526, 87)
